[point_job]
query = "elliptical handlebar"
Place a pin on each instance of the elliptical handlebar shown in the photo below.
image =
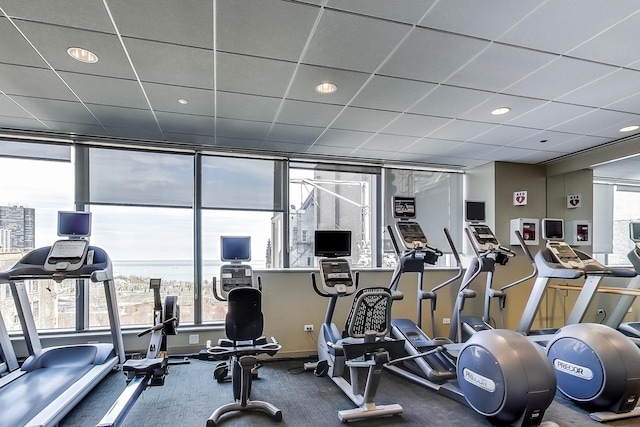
(527, 253)
(456, 255)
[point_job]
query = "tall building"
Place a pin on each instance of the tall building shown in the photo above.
(21, 222)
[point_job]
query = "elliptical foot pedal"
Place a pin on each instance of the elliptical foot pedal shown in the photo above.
(607, 416)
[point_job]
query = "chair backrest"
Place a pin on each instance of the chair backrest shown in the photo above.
(370, 312)
(244, 319)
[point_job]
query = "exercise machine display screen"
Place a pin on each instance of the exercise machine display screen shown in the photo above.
(484, 236)
(552, 229)
(332, 243)
(474, 211)
(235, 249)
(412, 235)
(74, 224)
(404, 207)
(634, 231)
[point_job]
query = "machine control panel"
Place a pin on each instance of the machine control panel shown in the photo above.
(565, 254)
(411, 235)
(235, 275)
(335, 275)
(67, 255)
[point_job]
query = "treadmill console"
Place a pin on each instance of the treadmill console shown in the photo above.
(68, 255)
(411, 235)
(335, 276)
(564, 254)
(483, 237)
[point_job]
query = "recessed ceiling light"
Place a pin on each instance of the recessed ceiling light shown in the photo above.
(630, 128)
(82, 55)
(500, 111)
(326, 87)
(183, 101)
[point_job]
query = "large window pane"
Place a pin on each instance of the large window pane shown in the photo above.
(626, 208)
(31, 194)
(144, 243)
(217, 223)
(233, 183)
(438, 205)
(329, 200)
(140, 178)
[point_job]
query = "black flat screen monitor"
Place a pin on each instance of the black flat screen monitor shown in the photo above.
(332, 243)
(404, 207)
(74, 224)
(634, 231)
(235, 248)
(474, 211)
(552, 229)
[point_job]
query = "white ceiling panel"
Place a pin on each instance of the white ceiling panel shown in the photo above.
(549, 115)
(306, 135)
(200, 101)
(363, 119)
(388, 93)
(606, 90)
(186, 123)
(461, 130)
(247, 27)
(307, 77)
(598, 123)
(503, 135)
(414, 125)
(353, 42)
(87, 14)
(450, 101)
(307, 113)
(228, 128)
(386, 142)
(431, 146)
(426, 55)
(33, 82)
(14, 49)
(347, 139)
(410, 11)
(241, 106)
(252, 76)
(60, 111)
(518, 106)
(107, 91)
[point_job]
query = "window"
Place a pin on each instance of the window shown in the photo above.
(438, 205)
(28, 209)
(332, 200)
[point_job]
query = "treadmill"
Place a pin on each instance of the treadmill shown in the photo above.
(52, 380)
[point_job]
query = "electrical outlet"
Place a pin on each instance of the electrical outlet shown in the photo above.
(308, 328)
(446, 320)
(194, 339)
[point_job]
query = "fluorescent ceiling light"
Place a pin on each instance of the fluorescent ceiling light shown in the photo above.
(82, 55)
(326, 87)
(500, 111)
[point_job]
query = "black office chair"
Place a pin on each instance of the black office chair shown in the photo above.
(243, 326)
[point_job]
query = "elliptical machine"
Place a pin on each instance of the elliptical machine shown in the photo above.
(596, 366)
(365, 344)
(153, 368)
(498, 373)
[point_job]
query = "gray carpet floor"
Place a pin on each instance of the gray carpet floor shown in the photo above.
(190, 395)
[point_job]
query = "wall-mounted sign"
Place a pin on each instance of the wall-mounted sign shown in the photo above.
(519, 198)
(574, 201)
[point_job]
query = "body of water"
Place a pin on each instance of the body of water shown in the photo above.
(181, 270)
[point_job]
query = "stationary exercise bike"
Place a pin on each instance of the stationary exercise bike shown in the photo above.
(364, 343)
(498, 373)
(153, 368)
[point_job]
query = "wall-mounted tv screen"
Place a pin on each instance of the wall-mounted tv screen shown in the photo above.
(332, 243)
(235, 248)
(74, 224)
(474, 211)
(552, 229)
(404, 207)
(634, 231)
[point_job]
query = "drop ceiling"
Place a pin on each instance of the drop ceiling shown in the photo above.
(416, 79)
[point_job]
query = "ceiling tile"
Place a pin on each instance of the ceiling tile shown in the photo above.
(558, 78)
(107, 91)
(461, 130)
(598, 123)
(498, 67)
(450, 101)
(10, 108)
(190, 138)
(363, 119)
(330, 150)
(503, 135)
(488, 19)
(426, 55)
(389, 93)
(295, 134)
(414, 125)
(395, 10)
(471, 150)
(353, 42)
(87, 14)
(186, 123)
(254, 76)
(60, 111)
(53, 41)
(165, 98)
(268, 28)
(77, 128)
(606, 90)
(175, 65)
(14, 49)
(549, 115)
(307, 113)
(560, 26)
(33, 82)
(239, 143)
(9, 122)
(240, 106)
(551, 140)
(136, 132)
(384, 142)
(243, 129)
(188, 24)
(343, 138)
(285, 147)
(431, 146)
(308, 77)
(518, 105)
(111, 116)
(581, 143)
